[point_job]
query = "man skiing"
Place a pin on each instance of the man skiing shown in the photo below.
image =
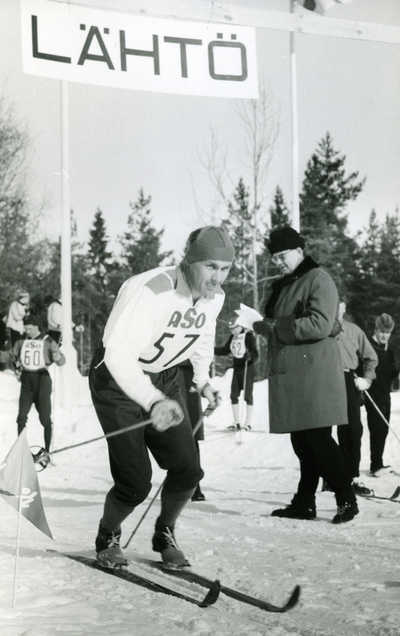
(33, 355)
(242, 345)
(160, 318)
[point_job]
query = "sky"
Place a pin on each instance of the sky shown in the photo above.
(122, 140)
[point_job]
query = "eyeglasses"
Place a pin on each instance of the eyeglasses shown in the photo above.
(280, 256)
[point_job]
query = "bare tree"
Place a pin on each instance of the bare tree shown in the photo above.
(259, 121)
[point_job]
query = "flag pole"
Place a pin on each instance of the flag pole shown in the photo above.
(295, 220)
(18, 539)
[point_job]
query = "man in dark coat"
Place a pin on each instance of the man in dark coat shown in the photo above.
(386, 371)
(307, 394)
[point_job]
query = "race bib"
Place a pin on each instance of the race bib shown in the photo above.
(238, 346)
(32, 355)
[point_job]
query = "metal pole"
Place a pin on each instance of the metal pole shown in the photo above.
(295, 220)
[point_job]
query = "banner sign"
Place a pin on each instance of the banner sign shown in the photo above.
(74, 43)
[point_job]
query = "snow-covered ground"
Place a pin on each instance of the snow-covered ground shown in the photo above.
(350, 574)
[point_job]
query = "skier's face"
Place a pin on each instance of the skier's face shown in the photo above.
(383, 337)
(206, 277)
(287, 260)
(32, 331)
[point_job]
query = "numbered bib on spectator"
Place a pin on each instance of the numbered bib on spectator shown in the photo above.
(32, 355)
(238, 345)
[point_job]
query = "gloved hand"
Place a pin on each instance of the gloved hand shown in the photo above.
(247, 316)
(213, 397)
(362, 384)
(166, 413)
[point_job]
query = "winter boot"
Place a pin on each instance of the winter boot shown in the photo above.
(164, 542)
(109, 553)
(198, 495)
(297, 509)
(346, 512)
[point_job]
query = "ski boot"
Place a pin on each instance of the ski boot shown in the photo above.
(297, 509)
(198, 495)
(42, 458)
(164, 542)
(108, 551)
(360, 489)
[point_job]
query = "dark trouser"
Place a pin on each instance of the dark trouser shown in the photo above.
(55, 335)
(320, 456)
(237, 384)
(174, 449)
(36, 389)
(350, 436)
(193, 400)
(378, 430)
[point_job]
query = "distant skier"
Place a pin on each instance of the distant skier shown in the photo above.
(54, 319)
(18, 310)
(242, 345)
(386, 372)
(33, 355)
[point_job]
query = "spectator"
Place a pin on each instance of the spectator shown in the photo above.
(359, 361)
(18, 309)
(386, 372)
(33, 355)
(307, 394)
(242, 345)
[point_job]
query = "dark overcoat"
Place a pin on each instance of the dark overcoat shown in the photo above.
(306, 380)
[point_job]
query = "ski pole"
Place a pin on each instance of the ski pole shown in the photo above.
(144, 515)
(132, 427)
(382, 415)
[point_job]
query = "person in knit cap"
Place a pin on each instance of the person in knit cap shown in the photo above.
(159, 319)
(17, 311)
(386, 372)
(307, 394)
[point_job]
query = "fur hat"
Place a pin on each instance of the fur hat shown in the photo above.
(384, 322)
(209, 243)
(284, 238)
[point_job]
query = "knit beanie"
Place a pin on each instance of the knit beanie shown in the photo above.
(284, 238)
(384, 322)
(209, 243)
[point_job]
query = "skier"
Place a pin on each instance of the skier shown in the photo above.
(386, 371)
(359, 361)
(33, 355)
(160, 318)
(306, 385)
(242, 345)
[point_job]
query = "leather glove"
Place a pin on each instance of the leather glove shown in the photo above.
(247, 316)
(166, 413)
(213, 397)
(362, 384)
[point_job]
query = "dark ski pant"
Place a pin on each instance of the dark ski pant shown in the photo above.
(320, 456)
(237, 384)
(36, 389)
(174, 449)
(378, 430)
(350, 436)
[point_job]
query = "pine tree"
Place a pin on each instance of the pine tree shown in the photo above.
(279, 212)
(325, 193)
(98, 254)
(141, 242)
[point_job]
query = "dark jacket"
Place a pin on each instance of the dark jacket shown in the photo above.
(386, 372)
(306, 381)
